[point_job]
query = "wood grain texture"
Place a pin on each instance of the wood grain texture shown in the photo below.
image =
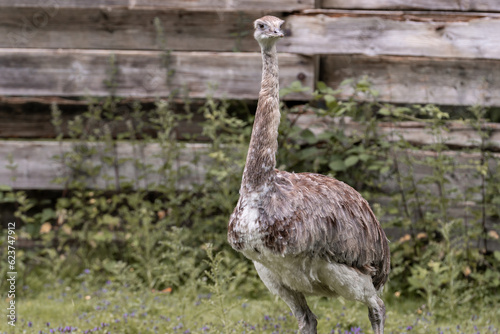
(43, 72)
(388, 33)
(128, 29)
(459, 135)
(460, 5)
(371, 32)
(196, 5)
(462, 178)
(418, 79)
(38, 163)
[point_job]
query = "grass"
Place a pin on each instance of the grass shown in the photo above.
(128, 236)
(117, 309)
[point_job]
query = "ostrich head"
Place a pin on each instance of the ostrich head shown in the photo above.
(268, 31)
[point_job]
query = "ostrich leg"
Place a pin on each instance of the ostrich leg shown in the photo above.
(376, 314)
(295, 300)
(297, 303)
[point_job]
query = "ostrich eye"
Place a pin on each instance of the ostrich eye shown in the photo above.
(261, 26)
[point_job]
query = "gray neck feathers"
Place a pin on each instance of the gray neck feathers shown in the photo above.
(261, 159)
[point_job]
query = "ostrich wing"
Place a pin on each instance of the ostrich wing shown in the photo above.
(319, 216)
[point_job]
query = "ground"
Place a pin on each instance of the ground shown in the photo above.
(117, 309)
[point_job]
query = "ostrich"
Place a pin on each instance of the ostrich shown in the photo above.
(307, 234)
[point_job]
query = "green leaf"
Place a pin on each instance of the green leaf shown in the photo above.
(308, 153)
(320, 85)
(374, 92)
(294, 87)
(331, 101)
(323, 89)
(5, 187)
(47, 214)
(325, 136)
(385, 170)
(351, 161)
(309, 136)
(337, 165)
(347, 82)
(364, 157)
(384, 111)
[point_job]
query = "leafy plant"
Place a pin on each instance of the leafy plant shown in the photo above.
(150, 230)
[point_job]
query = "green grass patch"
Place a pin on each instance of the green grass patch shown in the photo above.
(118, 309)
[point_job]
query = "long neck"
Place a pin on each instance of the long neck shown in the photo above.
(261, 158)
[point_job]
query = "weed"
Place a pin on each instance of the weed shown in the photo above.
(148, 231)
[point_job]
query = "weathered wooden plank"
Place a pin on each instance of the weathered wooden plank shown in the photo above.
(36, 164)
(132, 29)
(389, 33)
(198, 5)
(418, 79)
(36, 167)
(468, 5)
(458, 135)
(465, 173)
(94, 28)
(403, 15)
(42, 72)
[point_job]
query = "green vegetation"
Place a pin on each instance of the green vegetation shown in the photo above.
(114, 308)
(149, 253)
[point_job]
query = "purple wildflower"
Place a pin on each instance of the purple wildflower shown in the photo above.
(356, 330)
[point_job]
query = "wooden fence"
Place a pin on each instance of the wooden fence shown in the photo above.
(444, 52)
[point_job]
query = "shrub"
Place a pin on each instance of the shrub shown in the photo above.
(152, 231)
